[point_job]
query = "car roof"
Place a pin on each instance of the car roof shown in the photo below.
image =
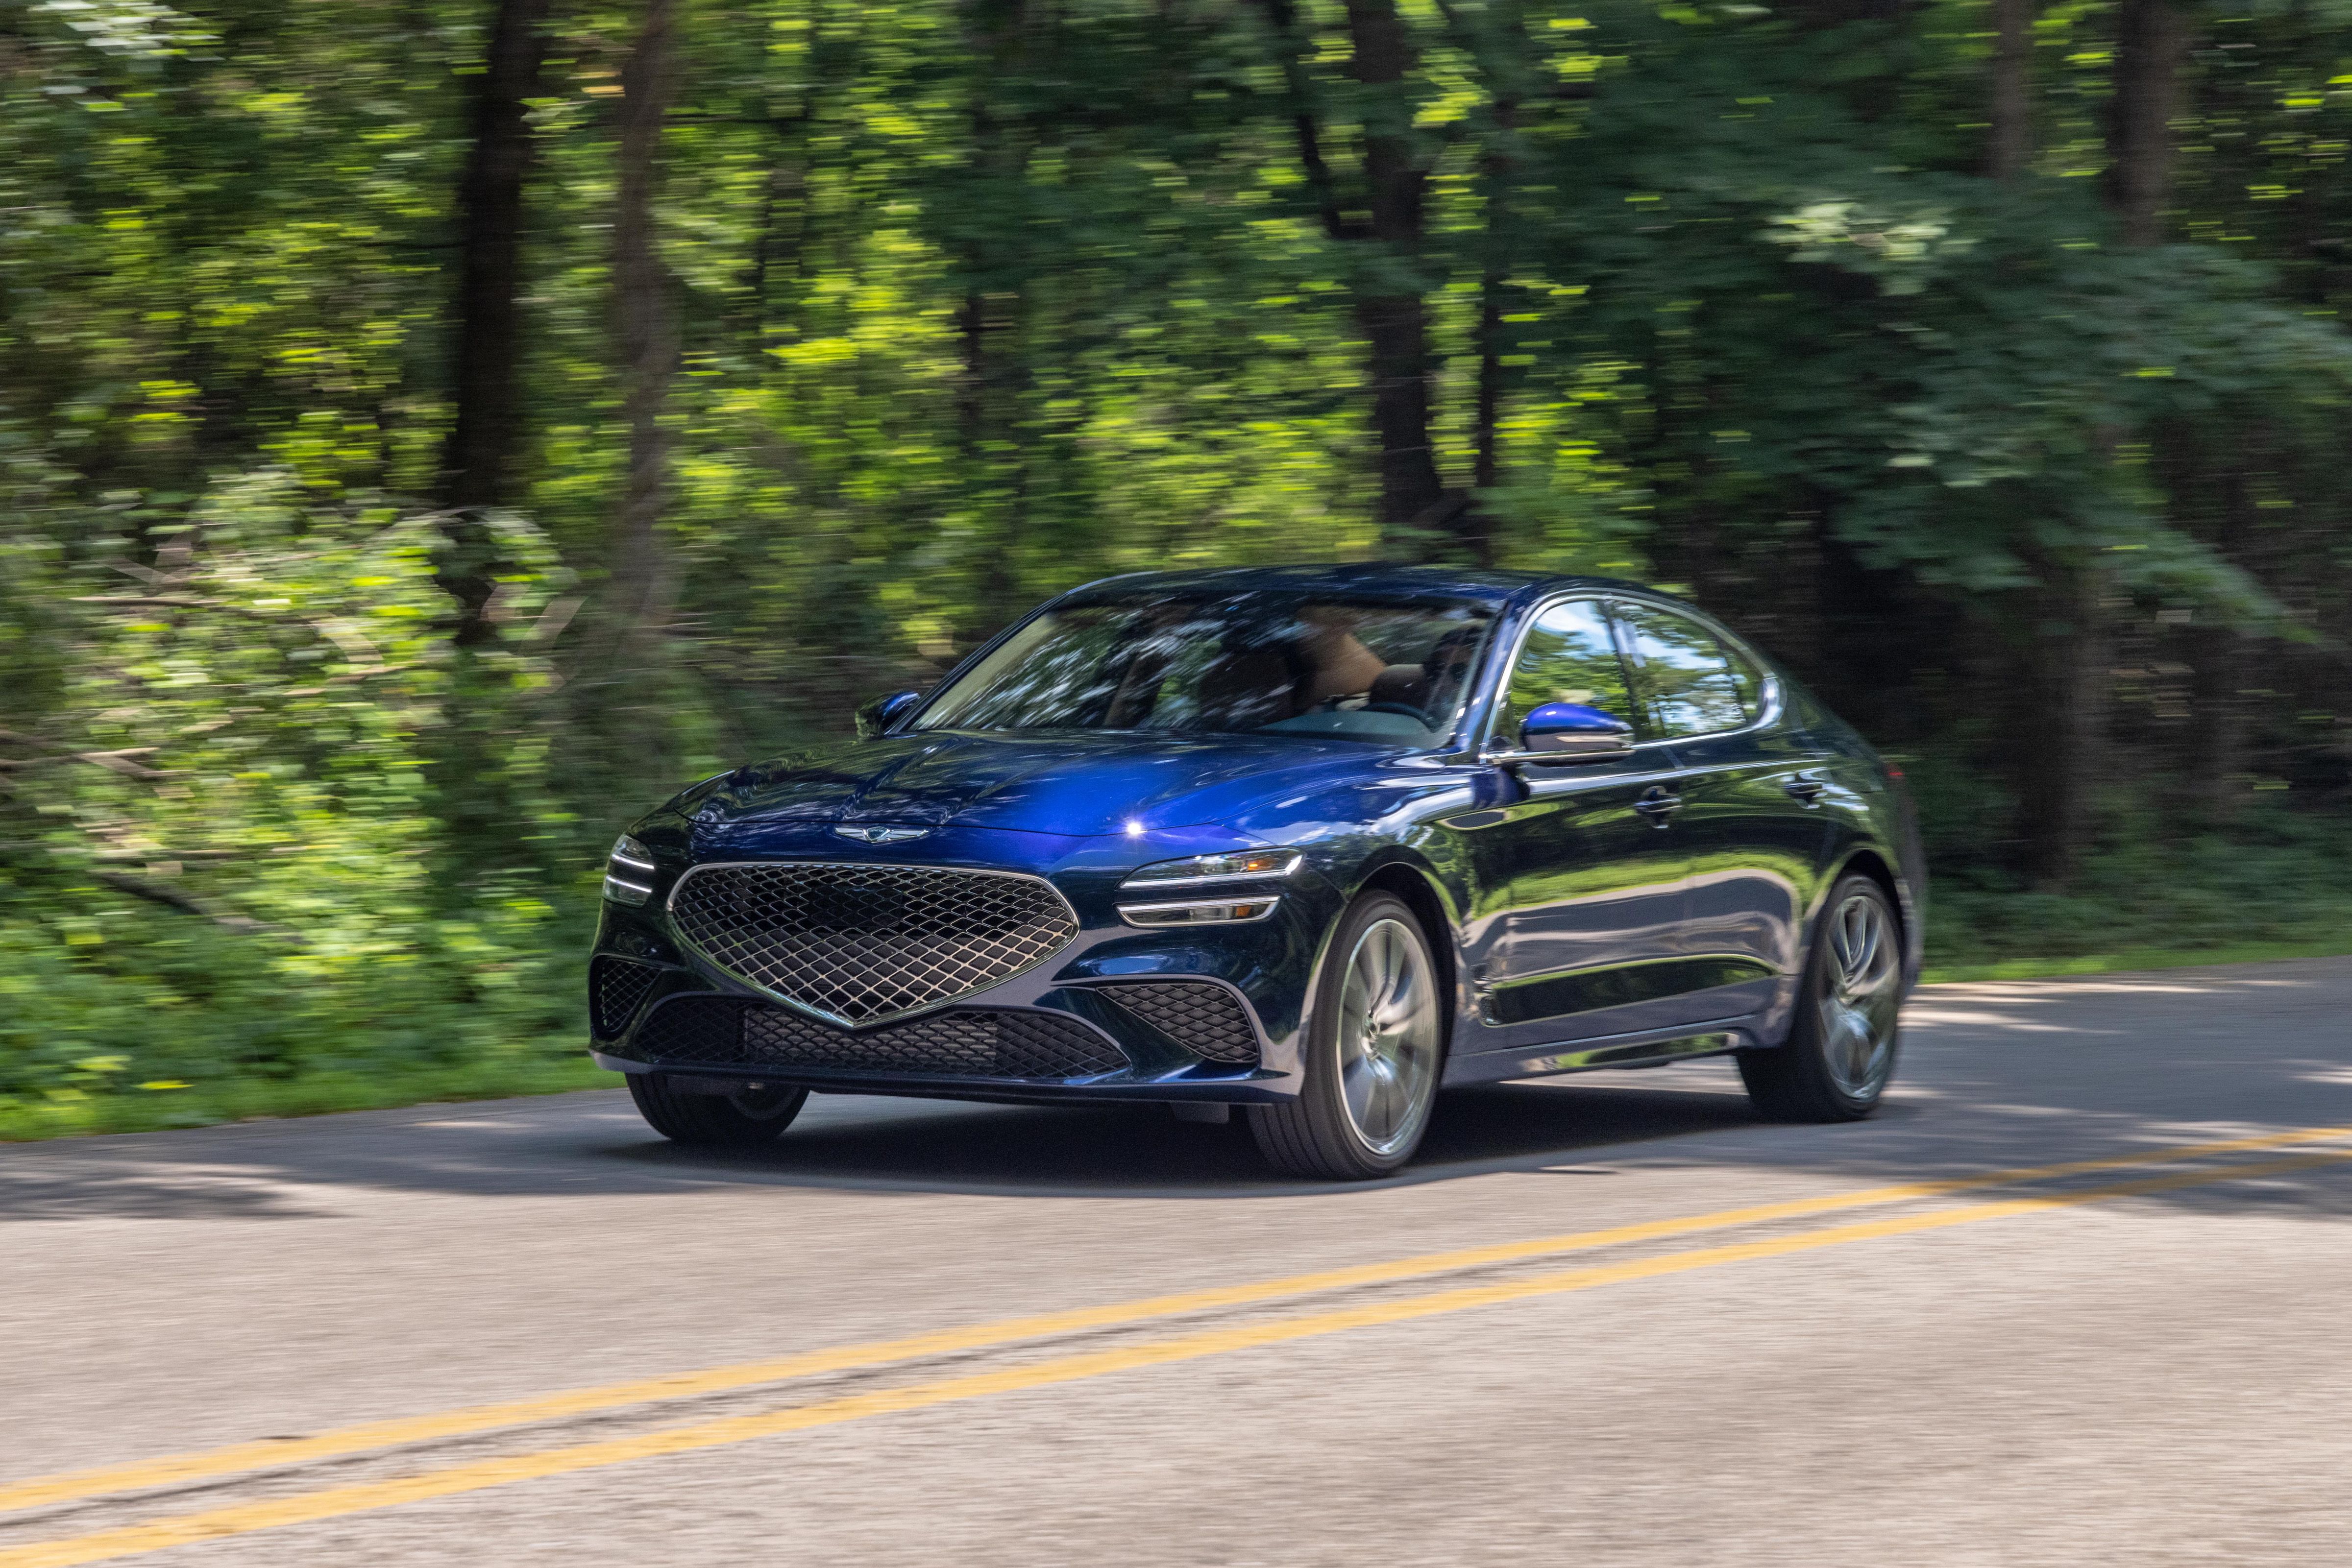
(1378, 578)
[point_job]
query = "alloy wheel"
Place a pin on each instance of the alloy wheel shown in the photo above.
(1388, 1036)
(1860, 994)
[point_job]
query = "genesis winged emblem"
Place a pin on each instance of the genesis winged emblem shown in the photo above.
(865, 835)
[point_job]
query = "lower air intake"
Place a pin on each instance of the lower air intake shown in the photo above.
(968, 1042)
(616, 988)
(1205, 1019)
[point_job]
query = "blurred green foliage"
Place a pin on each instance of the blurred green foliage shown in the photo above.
(973, 301)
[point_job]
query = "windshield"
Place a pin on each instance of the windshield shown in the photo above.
(1228, 663)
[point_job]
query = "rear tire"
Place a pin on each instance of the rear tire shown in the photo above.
(1375, 1043)
(1842, 1043)
(743, 1119)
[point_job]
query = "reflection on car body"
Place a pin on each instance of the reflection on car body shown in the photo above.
(1311, 842)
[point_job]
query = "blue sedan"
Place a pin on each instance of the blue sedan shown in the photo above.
(1314, 842)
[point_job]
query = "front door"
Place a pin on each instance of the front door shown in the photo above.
(1754, 836)
(1582, 886)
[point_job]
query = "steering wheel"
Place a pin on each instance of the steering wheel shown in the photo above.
(1403, 710)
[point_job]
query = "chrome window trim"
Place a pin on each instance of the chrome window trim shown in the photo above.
(1769, 703)
(1498, 698)
(670, 912)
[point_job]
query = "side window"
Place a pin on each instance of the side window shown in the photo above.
(1749, 683)
(1691, 684)
(1567, 658)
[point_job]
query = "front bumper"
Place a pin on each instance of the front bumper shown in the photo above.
(1193, 1038)
(1198, 1013)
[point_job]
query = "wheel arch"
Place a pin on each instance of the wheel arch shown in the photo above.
(1864, 860)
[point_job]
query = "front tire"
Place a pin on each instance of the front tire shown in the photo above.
(743, 1119)
(1375, 1043)
(1842, 1043)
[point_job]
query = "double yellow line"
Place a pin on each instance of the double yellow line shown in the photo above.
(474, 1476)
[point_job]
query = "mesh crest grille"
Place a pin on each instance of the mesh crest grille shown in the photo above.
(864, 942)
(1205, 1018)
(967, 1043)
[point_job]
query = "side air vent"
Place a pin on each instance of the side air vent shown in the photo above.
(616, 988)
(1205, 1018)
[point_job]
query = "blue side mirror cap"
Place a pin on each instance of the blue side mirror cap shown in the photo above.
(875, 718)
(1572, 732)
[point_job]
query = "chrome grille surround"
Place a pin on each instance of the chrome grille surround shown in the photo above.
(855, 943)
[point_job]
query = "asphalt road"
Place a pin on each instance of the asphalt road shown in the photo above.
(1659, 1332)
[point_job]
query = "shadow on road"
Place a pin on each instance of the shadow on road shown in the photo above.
(1996, 1076)
(1143, 1152)
(593, 1145)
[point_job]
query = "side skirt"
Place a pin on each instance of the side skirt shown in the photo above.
(1657, 1048)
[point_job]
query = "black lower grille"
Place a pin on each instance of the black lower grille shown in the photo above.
(1205, 1018)
(967, 1042)
(617, 987)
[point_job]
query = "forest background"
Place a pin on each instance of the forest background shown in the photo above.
(432, 432)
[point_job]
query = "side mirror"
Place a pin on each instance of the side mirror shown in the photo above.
(1571, 732)
(877, 715)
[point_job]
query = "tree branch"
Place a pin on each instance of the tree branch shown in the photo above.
(116, 761)
(173, 898)
(1282, 16)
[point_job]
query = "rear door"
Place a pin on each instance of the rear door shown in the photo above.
(1752, 832)
(1582, 884)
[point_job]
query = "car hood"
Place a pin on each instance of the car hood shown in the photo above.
(1067, 782)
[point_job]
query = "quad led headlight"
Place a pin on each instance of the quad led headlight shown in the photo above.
(1197, 876)
(629, 873)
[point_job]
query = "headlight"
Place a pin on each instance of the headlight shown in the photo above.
(629, 873)
(1199, 912)
(1191, 871)
(1206, 872)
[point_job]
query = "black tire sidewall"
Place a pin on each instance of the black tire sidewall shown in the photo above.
(710, 1121)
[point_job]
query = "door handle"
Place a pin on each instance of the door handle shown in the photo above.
(1658, 804)
(1806, 787)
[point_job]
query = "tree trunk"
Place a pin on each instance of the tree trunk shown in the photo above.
(642, 578)
(2013, 88)
(477, 460)
(2151, 42)
(2225, 665)
(2061, 738)
(783, 199)
(988, 434)
(1392, 313)
(1507, 79)
(1487, 470)
(988, 423)
(1396, 321)
(2065, 736)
